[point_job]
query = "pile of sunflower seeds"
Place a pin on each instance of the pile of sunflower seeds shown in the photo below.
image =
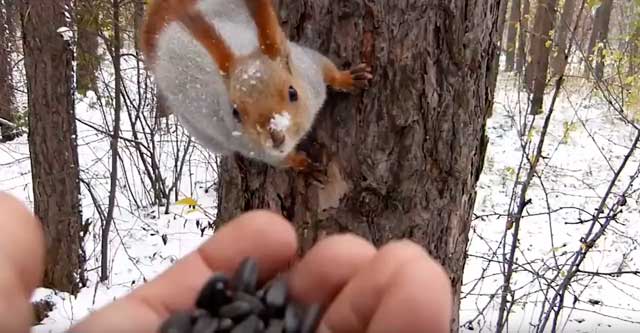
(236, 305)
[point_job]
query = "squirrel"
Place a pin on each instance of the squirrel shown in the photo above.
(234, 80)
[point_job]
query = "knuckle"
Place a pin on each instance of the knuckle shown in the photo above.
(404, 249)
(346, 240)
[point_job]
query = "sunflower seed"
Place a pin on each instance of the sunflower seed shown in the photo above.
(257, 307)
(246, 276)
(276, 295)
(292, 318)
(179, 322)
(214, 294)
(275, 326)
(206, 325)
(235, 310)
(311, 319)
(249, 325)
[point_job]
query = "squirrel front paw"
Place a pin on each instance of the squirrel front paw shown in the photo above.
(360, 76)
(299, 162)
(352, 80)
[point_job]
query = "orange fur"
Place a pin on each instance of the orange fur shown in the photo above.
(351, 80)
(270, 35)
(266, 97)
(337, 79)
(298, 161)
(209, 37)
(163, 12)
(157, 17)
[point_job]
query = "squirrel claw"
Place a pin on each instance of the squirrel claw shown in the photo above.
(360, 76)
(299, 162)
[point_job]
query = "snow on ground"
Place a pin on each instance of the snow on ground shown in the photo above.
(138, 252)
(575, 175)
(137, 240)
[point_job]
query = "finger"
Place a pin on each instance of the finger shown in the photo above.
(328, 266)
(267, 237)
(419, 296)
(21, 263)
(376, 294)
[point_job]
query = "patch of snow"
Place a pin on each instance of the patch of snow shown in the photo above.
(66, 33)
(280, 121)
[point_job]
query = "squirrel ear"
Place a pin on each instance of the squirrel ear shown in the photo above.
(272, 39)
(162, 12)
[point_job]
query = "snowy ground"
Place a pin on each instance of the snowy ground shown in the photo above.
(137, 251)
(575, 175)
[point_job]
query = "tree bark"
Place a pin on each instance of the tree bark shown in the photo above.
(403, 158)
(634, 51)
(52, 141)
(10, 21)
(523, 33)
(7, 95)
(88, 20)
(598, 40)
(512, 32)
(539, 50)
(563, 28)
(113, 178)
(138, 18)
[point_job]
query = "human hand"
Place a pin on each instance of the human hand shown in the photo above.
(397, 288)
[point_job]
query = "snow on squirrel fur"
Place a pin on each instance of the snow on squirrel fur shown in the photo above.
(235, 90)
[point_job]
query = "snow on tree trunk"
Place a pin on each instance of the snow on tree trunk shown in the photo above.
(402, 158)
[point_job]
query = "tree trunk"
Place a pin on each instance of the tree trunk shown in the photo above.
(106, 228)
(138, 18)
(564, 26)
(502, 17)
(88, 20)
(7, 96)
(598, 40)
(539, 50)
(512, 31)
(52, 141)
(403, 158)
(634, 54)
(523, 33)
(10, 21)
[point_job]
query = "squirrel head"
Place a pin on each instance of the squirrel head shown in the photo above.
(269, 105)
(268, 102)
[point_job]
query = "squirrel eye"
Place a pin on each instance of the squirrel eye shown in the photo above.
(236, 115)
(293, 94)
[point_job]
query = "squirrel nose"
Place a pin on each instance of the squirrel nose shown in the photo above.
(277, 137)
